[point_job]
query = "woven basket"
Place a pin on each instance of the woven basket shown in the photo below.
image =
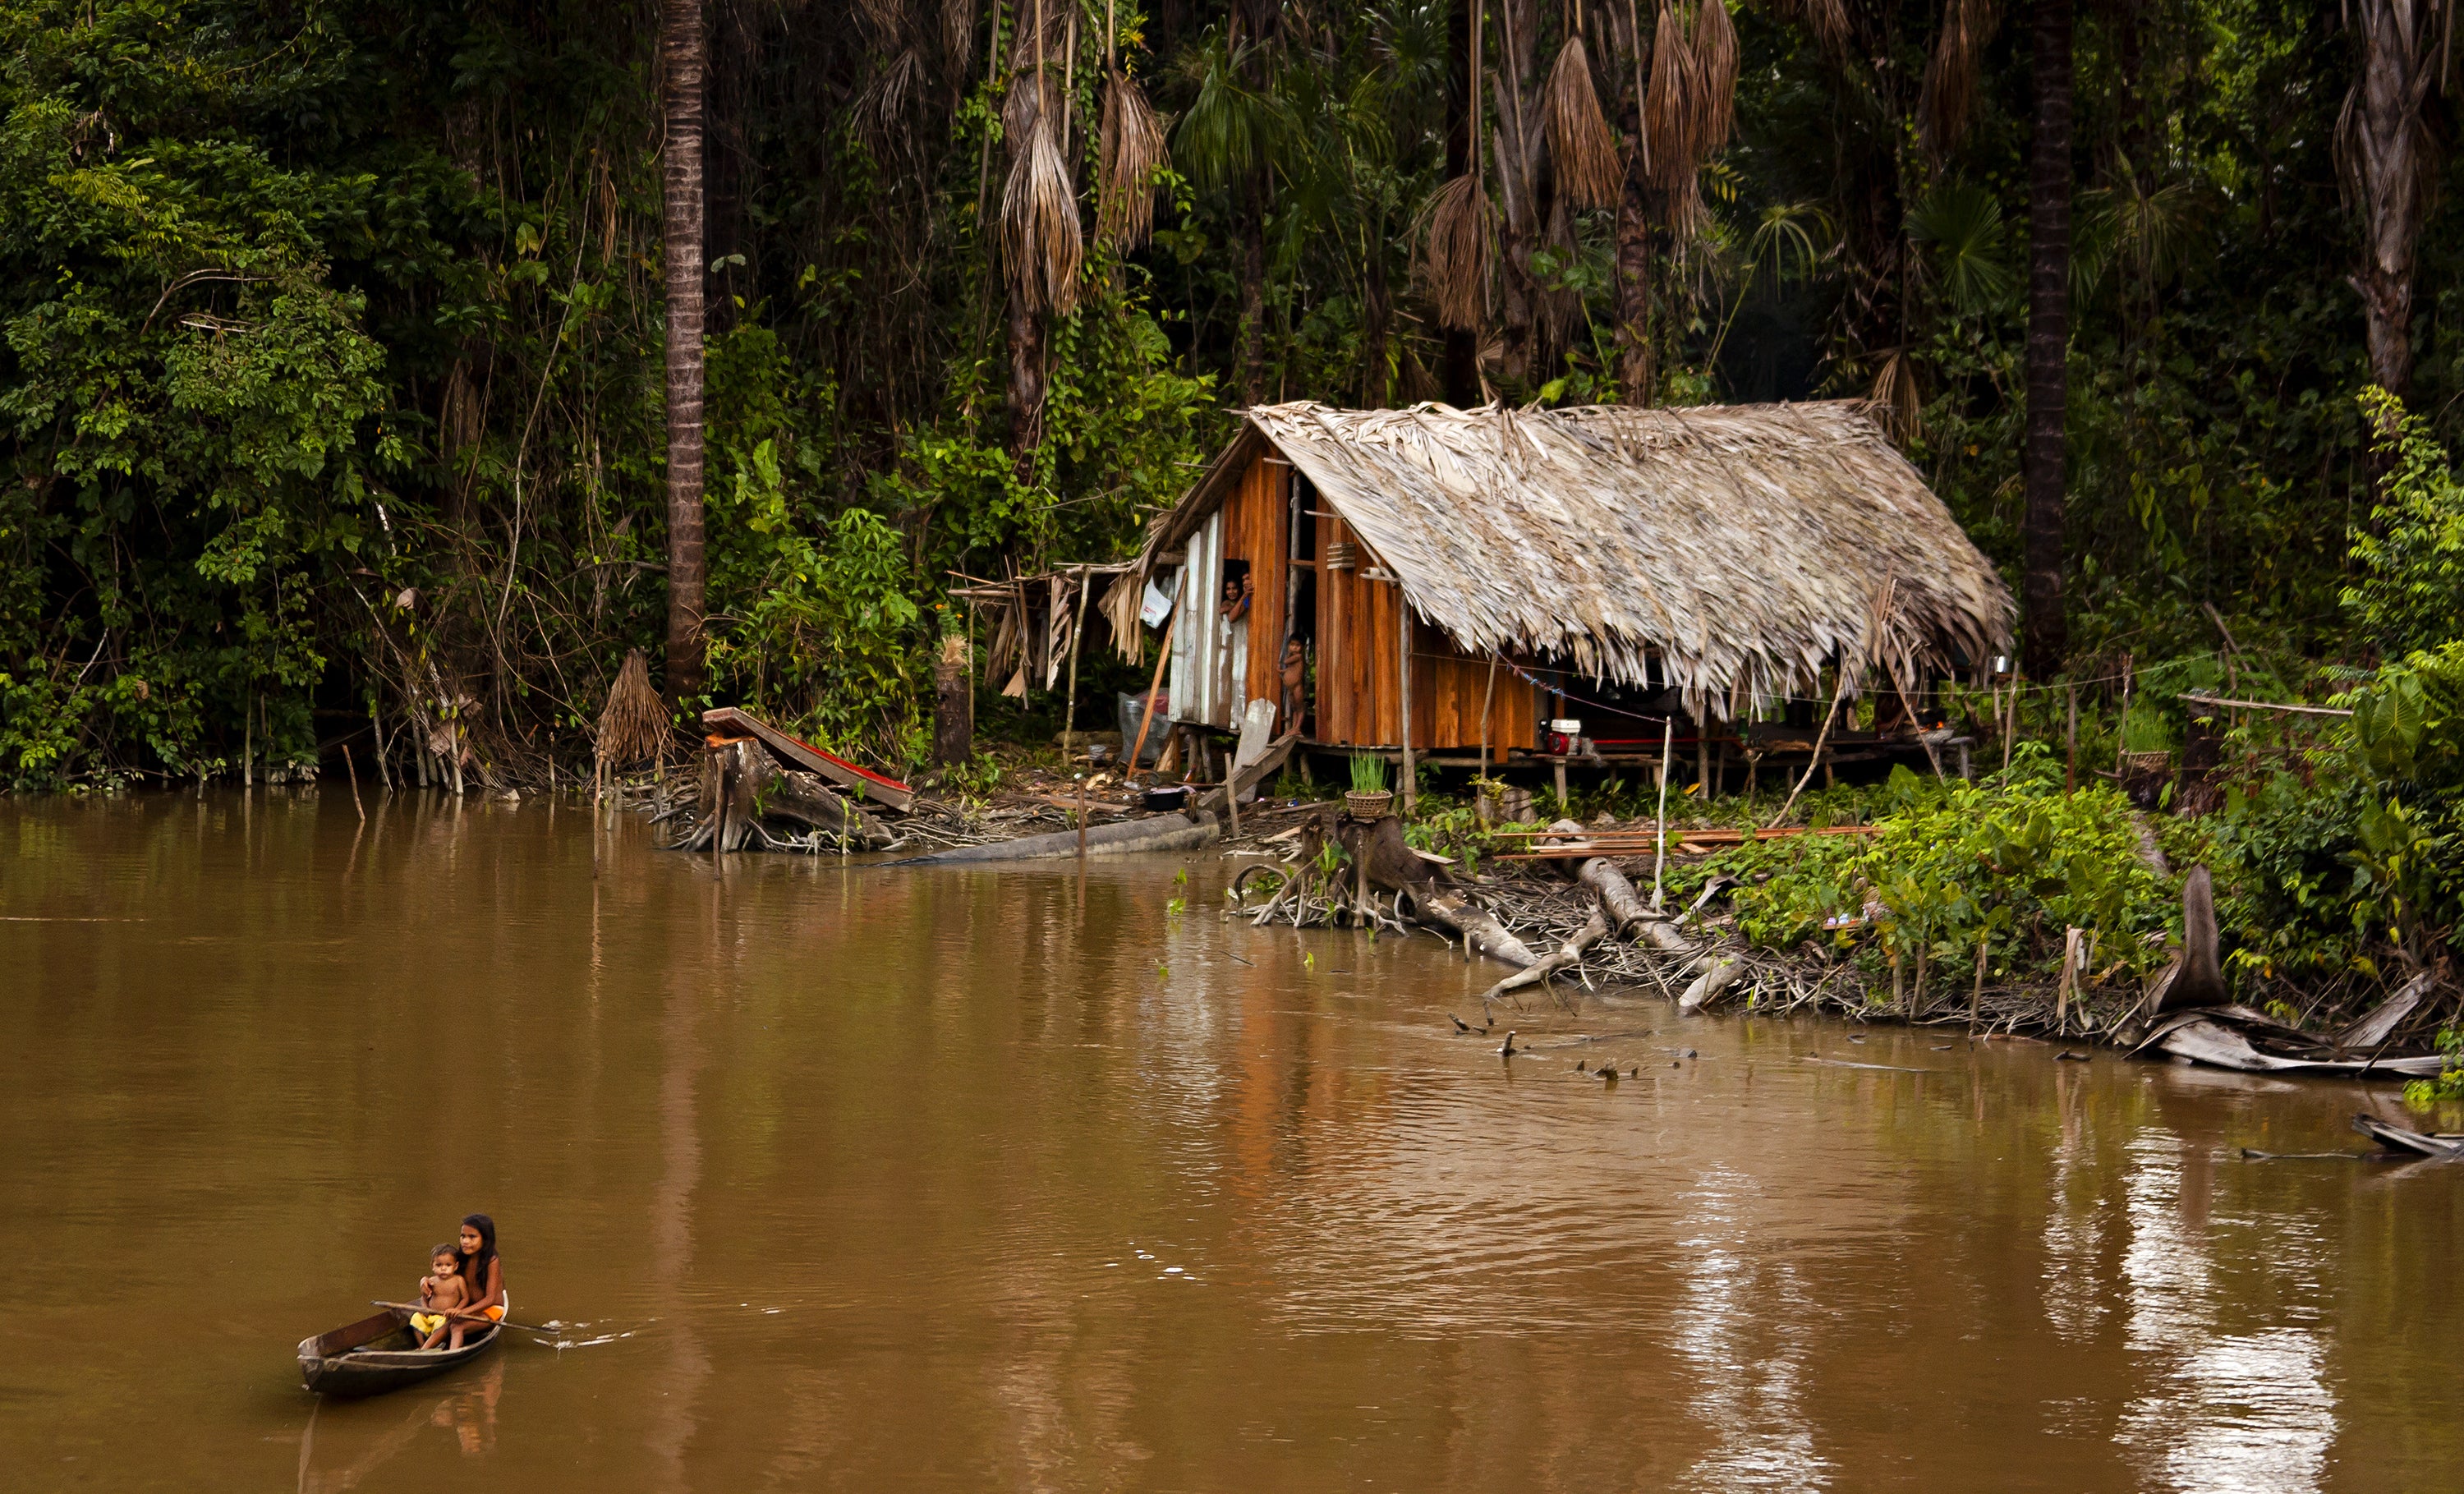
(1370, 804)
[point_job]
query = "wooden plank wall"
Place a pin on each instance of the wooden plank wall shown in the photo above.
(1357, 702)
(1256, 528)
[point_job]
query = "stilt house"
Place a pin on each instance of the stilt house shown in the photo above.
(1722, 556)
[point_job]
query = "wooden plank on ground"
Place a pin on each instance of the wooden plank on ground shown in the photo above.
(882, 790)
(1270, 760)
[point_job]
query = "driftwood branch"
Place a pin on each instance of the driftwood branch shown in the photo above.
(1594, 930)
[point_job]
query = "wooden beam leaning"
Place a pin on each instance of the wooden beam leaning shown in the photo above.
(804, 755)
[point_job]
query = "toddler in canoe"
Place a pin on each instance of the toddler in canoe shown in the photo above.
(440, 1293)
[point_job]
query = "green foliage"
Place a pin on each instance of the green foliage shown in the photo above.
(2410, 557)
(1368, 773)
(2013, 862)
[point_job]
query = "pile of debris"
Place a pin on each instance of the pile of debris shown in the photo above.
(1599, 930)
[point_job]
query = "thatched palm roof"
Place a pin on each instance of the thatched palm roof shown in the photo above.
(1745, 545)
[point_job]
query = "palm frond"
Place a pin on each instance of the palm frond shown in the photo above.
(1041, 244)
(1229, 129)
(1784, 243)
(1894, 400)
(633, 724)
(1132, 153)
(1963, 222)
(1668, 124)
(1455, 263)
(1950, 84)
(1580, 143)
(1826, 20)
(1714, 45)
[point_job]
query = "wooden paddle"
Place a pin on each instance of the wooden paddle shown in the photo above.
(457, 1312)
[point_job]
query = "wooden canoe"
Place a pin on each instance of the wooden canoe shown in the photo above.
(381, 1353)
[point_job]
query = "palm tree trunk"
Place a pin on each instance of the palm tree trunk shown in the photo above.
(1518, 158)
(2392, 160)
(1460, 371)
(2048, 352)
(1253, 291)
(683, 49)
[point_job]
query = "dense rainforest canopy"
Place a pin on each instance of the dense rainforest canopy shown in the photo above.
(334, 328)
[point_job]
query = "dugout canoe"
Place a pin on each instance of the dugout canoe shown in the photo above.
(381, 1353)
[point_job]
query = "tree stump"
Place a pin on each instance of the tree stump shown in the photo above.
(954, 704)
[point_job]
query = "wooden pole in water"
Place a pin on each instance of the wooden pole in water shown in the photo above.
(353, 769)
(1082, 820)
(1976, 992)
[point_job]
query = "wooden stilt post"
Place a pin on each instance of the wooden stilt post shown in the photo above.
(1070, 711)
(1659, 837)
(1404, 675)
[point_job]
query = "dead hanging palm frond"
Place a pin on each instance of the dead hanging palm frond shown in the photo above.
(1132, 153)
(1826, 20)
(1894, 402)
(1951, 82)
(633, 725)
(1041, 244)
(1455, 263)
(1714, 45)
(1580, 143)
(1669, 124)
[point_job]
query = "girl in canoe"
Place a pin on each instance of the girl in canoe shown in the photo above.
(483, 1279)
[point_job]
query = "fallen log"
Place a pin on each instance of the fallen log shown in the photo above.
(1382, 858)
(1476, 926)
(1595, 929)
(1633, 915)
(1127, 837)
(1708, 985)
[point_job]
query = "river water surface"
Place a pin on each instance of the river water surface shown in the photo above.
(879, 1178)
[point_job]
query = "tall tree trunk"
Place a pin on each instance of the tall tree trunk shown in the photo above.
(1253, 291)
(1377, 320)
(2048, 314)
(1635, 371)
(1518, 137)
(2390, 160)
(683, 50)
(1460, 369)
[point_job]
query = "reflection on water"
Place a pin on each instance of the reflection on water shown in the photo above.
(874, 1178)
(1748, 1367)
(377, 1431)
(2222, 1410)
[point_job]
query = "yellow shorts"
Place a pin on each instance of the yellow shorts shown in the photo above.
(425, 1322)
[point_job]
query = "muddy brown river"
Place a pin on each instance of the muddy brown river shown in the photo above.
(845, 1176)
